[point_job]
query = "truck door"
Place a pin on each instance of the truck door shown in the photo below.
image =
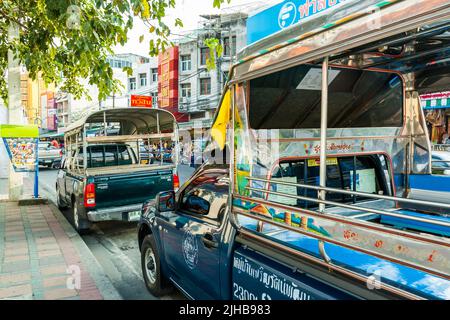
(61, 177)
(192, 235)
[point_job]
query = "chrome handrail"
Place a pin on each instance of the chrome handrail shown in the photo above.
(355, 193)
(352, 207)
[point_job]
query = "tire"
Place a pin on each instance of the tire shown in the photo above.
(154, 280)
(60, 205)
(81, 225)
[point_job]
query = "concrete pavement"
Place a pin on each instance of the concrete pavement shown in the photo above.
(43, 258)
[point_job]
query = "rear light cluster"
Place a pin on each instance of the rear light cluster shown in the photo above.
(89, 195)
(176, 182)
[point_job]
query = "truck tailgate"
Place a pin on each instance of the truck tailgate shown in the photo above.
(130, 188)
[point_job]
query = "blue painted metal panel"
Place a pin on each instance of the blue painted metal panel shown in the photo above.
(430, 182)
(417, 225)
(408, 279)
(256, 277)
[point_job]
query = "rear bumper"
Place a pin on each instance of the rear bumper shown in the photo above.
(125, 213)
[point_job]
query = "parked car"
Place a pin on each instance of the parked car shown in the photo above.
(49, 155)
(440, 162)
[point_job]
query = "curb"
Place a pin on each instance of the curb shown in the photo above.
(94, 268)
(32, 202)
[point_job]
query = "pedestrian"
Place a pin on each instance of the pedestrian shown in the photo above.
(55, 143)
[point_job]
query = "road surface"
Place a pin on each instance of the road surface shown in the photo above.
(114, 244)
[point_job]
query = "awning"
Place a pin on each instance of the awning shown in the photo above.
(440, 100)
(52, 135)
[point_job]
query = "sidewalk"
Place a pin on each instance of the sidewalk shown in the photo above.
(40, 255)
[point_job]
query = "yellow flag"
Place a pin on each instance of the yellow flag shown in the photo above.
(219, 127)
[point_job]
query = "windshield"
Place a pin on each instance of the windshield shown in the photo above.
(291, 99)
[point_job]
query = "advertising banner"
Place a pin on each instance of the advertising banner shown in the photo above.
(21, 143)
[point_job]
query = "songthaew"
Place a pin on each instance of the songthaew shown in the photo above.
(116, 160)
(329, 192)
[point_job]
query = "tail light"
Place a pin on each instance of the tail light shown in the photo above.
(89, 195)
(176, 182)
(60, 153)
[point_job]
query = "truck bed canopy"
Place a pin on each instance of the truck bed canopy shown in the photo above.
(132, 120)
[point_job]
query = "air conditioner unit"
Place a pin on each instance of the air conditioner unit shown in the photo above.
(185, 100)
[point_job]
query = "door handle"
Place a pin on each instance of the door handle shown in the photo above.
(208, 241)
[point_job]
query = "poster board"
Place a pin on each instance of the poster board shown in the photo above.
(21, 143)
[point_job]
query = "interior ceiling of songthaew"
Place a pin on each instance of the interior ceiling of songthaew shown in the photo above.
(425, 52)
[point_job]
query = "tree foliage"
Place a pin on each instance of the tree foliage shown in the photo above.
(67, 40)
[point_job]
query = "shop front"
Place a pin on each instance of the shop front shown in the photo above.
(436, 107)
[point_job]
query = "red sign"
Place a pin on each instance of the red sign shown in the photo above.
(141, 101)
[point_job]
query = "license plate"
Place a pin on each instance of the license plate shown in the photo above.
(144, 161)
(134, 216)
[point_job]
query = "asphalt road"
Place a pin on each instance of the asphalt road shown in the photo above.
(114, 244)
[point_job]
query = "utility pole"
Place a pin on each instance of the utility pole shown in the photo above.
(15, 113)
(219, 59)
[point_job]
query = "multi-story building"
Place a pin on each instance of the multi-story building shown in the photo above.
(199, 89)
(144, 80)
(70, 109)
(37, 100)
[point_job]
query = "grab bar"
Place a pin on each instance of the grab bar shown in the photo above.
(356, 193)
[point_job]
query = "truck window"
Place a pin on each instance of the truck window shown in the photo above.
(111, 156)
(107, 155)
(290, 99)
(211, 189)
(359, 173)
(96, 157)
(124, 155)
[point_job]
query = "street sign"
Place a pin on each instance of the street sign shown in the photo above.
(283, 15)
(141, 101)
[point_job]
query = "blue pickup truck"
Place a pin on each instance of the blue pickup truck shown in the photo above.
(328, 192)
(186, 240)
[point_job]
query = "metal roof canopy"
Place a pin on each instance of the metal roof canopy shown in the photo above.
(132, 120)
(352, 31)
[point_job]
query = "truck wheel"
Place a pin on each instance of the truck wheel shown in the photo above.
(59, 203)
(151, 268)
(80, 224)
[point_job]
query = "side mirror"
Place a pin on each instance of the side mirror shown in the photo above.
(165, 201)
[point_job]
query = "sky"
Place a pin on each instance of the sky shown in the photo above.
(188, 11)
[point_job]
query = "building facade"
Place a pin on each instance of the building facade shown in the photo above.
(200, 90)
(69, 109)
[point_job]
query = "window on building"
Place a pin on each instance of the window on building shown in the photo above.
(186, 62)
(204, 54)
(154, 74)
(143, 79)
(132, 83)
(154, 96)
(197, 115)
(186, 90)
(229, 48)
(205, 86)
